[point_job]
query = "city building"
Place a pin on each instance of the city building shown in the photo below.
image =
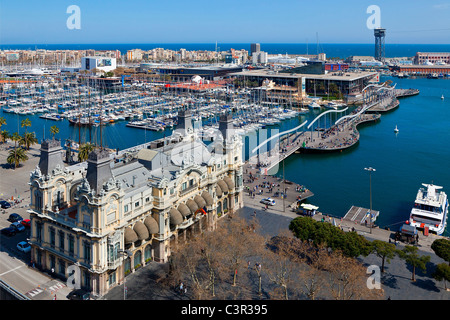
(116, 212)
(432, 57)
(99, 63)
(254, 47)
(212, 73)
(348, 84)
(259, 57)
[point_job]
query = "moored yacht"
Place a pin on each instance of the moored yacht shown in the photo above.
(430, 209)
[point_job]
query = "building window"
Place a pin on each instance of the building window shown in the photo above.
(148, 253)
(87, 251)
(125, 208)
(112, 278)
(137, 259)
(71, 245)
(136, 204)
(87, 280)
(61, 241)
(62, 266)
(184, 186)
(147, 199)
(52, 263)
(38, 231)
(52, 236)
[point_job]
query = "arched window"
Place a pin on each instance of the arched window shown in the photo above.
(137, 259)
(219, 208)
(148, 253)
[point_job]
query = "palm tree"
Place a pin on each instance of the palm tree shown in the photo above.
(16, 138)
(16, 156)
(5, 135)
(84, 150)
(25, 123)
(28, 139)
(2, 121)
(54, 130)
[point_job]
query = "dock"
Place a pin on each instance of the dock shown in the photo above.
(360, 215)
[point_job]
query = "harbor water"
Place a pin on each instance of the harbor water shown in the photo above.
(418, 153)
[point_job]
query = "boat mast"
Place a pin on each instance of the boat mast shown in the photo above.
(79, 119)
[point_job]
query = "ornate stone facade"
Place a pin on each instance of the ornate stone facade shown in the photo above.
(110, 216)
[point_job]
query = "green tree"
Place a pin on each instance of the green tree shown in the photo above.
(303, 228)
(16, 156)
(411, 257)
(2, 121)
(84, 150)
(28, 139)
(25, 123)
(54, 130)
(442, 273)
(442, 249)
(386, 251)
(321, 233)
(5, 135)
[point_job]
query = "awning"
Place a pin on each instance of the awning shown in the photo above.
(141, 230)
(208, 198)
(130, 236)
(184, 210)
(175, 217)
(200, 201)
(193, 206)
(151, 225)
(308, 206)
(229, 182)
(222, 186)
(219, 191)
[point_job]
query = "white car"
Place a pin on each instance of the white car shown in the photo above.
(268, 201)
(24, 246)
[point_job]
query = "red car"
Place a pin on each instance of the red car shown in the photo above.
(26, 223)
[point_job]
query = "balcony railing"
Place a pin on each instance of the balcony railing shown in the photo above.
(189, 189)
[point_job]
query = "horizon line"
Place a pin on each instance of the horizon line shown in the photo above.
(213, 43)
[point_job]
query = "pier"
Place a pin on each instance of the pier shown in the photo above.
(340, 136)
(360, 215)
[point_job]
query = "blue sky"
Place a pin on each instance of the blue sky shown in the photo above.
(229, 21)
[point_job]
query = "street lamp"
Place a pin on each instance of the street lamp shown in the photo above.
(370, 169)
(124, 253)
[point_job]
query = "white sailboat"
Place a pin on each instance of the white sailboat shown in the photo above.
(442, 97)
(396, 129)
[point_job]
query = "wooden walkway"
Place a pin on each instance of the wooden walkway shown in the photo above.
(360, 215)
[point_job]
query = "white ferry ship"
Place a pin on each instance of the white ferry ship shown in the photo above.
(430, 209)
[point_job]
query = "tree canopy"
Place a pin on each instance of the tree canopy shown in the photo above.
(325, 234)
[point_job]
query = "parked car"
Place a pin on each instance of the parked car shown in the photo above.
(15, 217)
(24, 246)
(9, 232)
(5, 204)
(79, 294)
(26, 223)
(268, 201)
(18, 226)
